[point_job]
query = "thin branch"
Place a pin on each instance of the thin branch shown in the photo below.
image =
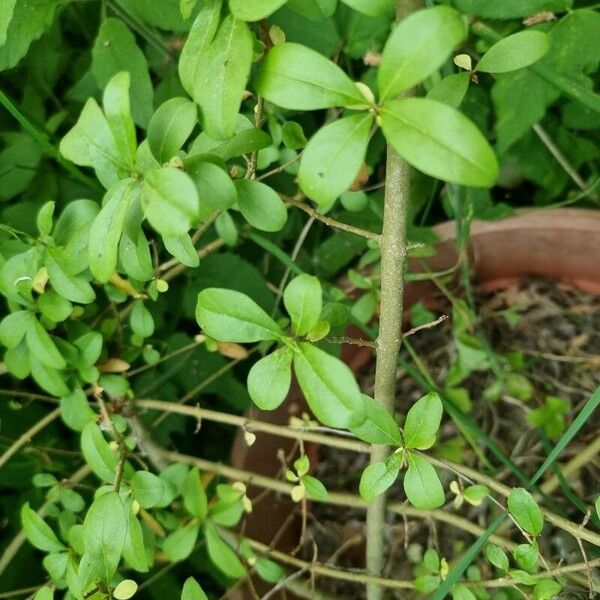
(309, 210)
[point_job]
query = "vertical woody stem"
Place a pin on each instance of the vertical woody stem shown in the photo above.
(393, 259)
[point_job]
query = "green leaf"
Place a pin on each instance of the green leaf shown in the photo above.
(182, 248)
(230, 316)
(104, 531)
(134, 250)
(221, 77)
(333, 157)
(134, 552)
(315, 490)
(303, 301)
(42, 347)
(510, 9)
(514, 52)
(373, 8)
(38, 532)
(269, 379)
(526, 556)
(47, 378)
(170, 200)
(14, 326)
(44, 593)
(141, 320)
(215, 188)
(298, 78)
(194, 496)
(417, 47)
(91, 143)
(546, 589)
(254, 10)
(476, 494)
(115, 101)
(292, 135)
(423, 421)
(268, 570)
(199, 38)
(71, 287)
(422, 484)
(221, 554)
(261, 205)
(379, 476)
(497, 557)
(179, 544)
(461, 592)
(107, 229)
(148, 489)
(20, 24)
(115, 50)
(75, 410)
(97, 453)
(125, 589)
(451, 90)
(45, 217)
(170, 126)
(597, 506)
(379, 427)
(315, 10)
(440, 141)
(192, 590)
(329, 387)
(525, 510)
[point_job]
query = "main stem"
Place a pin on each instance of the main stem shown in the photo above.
(393, 258)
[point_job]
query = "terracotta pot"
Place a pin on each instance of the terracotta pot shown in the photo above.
(558, 243)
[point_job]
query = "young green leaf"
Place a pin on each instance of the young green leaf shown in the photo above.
(170, 127)
(546, 589)
(91, 143)
(269, 570)
(299, 78)
(269, 379)
(417, 47)
(170, 200)
(71, 287)
(97, 453)
(261, 205)
(221, 77)
(107, 229)
(104, 530)
(115, 50)
(372, 8)
(379, 476)
(329, 387)
(423, 421)
(148, 489)
(44, 593)
(422, 484)
(461, 592)
(525, 510)
(451, 90)
(115, 101)
(125, 589)
(476, 494)
(303, 301)
(497, 557)
(14, 326)
(230, 316)
(514, 52)
(194, 496)
(192, 590)
(45, 217)
(292, 135)
(134, 249)
(141, 320)
(526, 556)
(440, 141)
(215, 188)
(179, 544)
(379, 427)
(315, 490)
(38, 532)
(254, 10)
(333, 157)
(201, 35)
(42, 347)
(221, 554)
(134, 552)
(182, 248)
